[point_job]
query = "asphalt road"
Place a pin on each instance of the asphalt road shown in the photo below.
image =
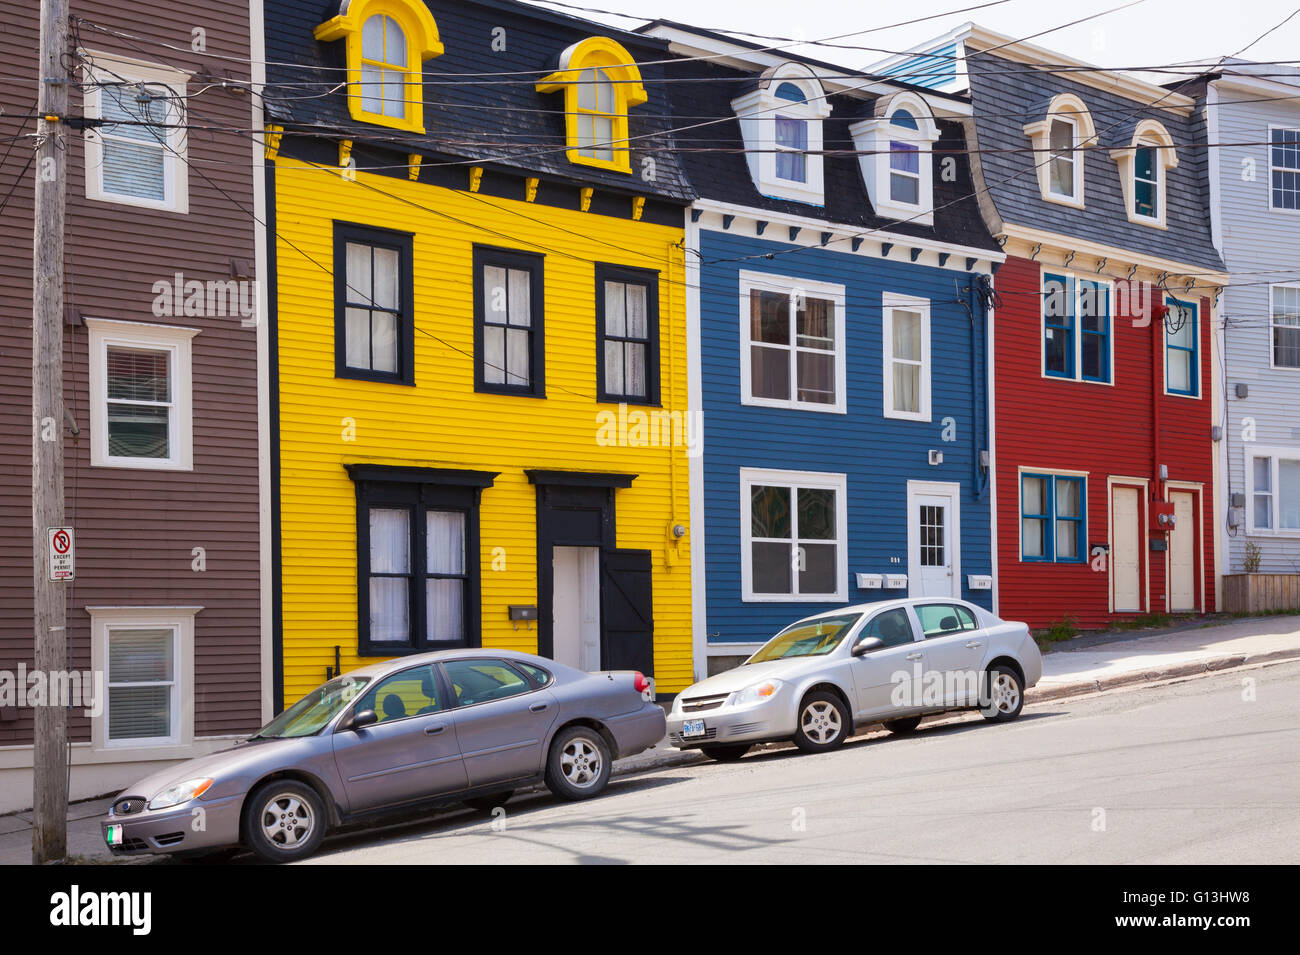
(1191, 772)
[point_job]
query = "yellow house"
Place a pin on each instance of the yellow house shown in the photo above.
(479, 329)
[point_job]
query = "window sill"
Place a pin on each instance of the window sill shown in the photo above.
(383, 378)
(1063, 201)
(483, 389)
(795, 598)
(143, 464)
(793, 405)
(177, 207)
(925, 418)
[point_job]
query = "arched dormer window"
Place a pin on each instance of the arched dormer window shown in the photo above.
(387, 42)
(1060, 142)
(600, 82)
(894, 152)
(1143, 172)
(781, 121)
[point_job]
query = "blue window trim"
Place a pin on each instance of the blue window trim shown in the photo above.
(1050, 518)
(1195, 370)
(1103, 291)
(1064, 324)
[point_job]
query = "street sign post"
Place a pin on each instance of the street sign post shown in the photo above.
(61, 553)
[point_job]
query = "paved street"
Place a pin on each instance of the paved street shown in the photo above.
(1183, 773)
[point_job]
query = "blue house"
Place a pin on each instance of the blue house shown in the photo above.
(838, 309)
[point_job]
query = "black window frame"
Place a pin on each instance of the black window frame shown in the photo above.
(649, 278)
(419, 499)
(535, 265)
(404, 244)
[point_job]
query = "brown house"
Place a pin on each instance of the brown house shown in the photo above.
(161, 387)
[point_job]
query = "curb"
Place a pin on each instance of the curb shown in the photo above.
(1159, 675)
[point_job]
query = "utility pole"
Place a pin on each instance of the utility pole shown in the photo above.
(50, 745)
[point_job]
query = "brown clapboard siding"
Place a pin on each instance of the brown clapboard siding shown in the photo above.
(136, 528)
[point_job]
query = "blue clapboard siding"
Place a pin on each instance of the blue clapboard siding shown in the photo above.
(933, 70)
(878, 455)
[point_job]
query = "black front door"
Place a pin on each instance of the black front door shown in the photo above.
(626, 611)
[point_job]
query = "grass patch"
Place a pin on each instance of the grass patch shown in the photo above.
(1067, 628)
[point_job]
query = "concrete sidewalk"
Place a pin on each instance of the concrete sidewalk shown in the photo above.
(1093, 664)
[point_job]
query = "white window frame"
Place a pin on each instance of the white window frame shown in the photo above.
(176, 343)
(1272, 326)
(1075, 157)
(872, 139)
(1271, 168)
(1149, 133)
(757, 112)
(1274, 453)
(889, 303)
(790, 285)
(837, 482)
(180, 620)
(112, 68)
(1071, 108)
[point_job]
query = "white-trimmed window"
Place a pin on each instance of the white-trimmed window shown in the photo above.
(895, 156)
(781, 122)
(1284, 323)
(1284, 169)
(1060, 140)
(138, 154)
(146, 655)
(141, 395)
(1143, 171)
(794, 532)
(1064, 167)
(791, 343)
(1273, 490)
(906, 352)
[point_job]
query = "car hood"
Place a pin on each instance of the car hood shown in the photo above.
(749, 674)
(223, 764)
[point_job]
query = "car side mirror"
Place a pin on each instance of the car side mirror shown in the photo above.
(867, 645)
(362, 719)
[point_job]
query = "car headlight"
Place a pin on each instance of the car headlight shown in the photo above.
(180, 792)
(758, 693)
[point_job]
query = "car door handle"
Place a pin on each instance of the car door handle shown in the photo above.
(913, 656)
(434, 730)
(538, 707)
(974, 645)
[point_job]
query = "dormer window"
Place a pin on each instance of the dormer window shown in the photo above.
(781, 122)
(600, 82)
(895, 155)
(1143, 169)
(387, 42)
(1060, 140)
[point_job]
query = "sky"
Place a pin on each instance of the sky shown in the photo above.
(1148, 33)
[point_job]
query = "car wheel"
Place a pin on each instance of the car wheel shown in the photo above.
(488, 803)
(725, 754)
(1003, 695)
(284, 821)
(578, 764)
(823, 723)
(907, 724)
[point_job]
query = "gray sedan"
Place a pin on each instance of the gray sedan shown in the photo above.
(451, 726)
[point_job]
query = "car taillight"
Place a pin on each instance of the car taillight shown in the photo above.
(640, 682)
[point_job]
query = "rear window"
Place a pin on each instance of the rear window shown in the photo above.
(938, 620)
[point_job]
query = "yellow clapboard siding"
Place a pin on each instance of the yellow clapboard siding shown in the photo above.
(327, 422)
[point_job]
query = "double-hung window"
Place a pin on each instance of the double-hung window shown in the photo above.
(1061, 176)
(417, 559)
(794, 535)
(508, 309)
(791, 137)
(374, 318)
(906, 327)
(1076, 328)
(1284, 308)
(1284, 169)
(792, 343)
(1182, 367)
(1146, 182)
(1053, 523)
(1273, 478)
(627, 334)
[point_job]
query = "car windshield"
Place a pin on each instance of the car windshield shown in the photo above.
(310, 714)
(807, 638)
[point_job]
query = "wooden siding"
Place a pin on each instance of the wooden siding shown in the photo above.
(1255, 593)
(442, 422)
(136, 528)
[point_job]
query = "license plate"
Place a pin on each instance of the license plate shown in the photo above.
(114, 835)
(692, 729)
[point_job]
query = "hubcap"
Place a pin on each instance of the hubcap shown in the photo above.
(1006, 693)
(580, 762)
(287, 821)
(820, 722)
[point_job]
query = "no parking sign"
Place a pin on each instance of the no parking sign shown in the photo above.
(60, 551)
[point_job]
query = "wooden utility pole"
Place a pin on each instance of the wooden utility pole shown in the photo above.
(50, 746)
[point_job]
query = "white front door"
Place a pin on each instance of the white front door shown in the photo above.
(575, 601)
(1182, 552)
(1126, 548)
(933, 540)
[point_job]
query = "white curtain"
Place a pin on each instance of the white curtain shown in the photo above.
(390, 553)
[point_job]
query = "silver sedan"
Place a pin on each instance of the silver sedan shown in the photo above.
(451, 726)
(892, 662)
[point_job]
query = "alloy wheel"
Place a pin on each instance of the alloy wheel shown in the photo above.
(580, 762)
(821, 721)
(1006, 693)
(287, 821)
